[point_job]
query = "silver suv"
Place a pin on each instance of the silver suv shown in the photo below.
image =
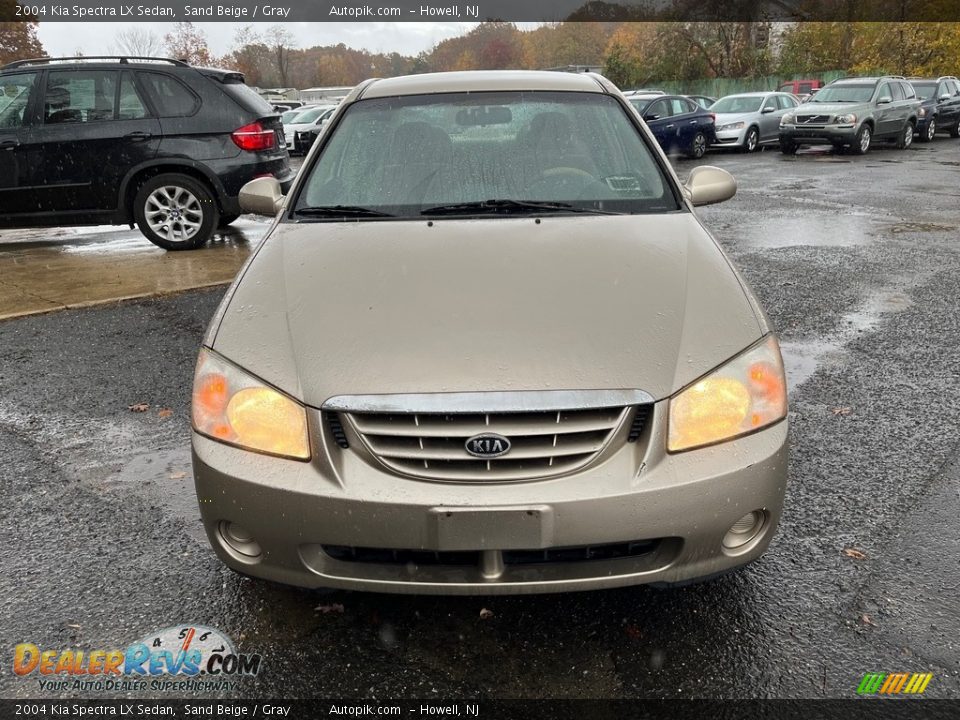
(854, 112)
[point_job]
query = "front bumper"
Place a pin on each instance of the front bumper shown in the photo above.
(834, 134)
(337, 520)
(729, 138)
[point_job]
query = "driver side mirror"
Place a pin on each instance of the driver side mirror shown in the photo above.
(651, 116)
(708, 184)
(884, 100)
(945, 96)
(766, 110)
(262, 196)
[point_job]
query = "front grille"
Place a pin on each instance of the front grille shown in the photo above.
(813, 119)
(576, 554)
(543, 444)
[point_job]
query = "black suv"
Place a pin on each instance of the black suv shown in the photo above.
(151, 141)
(939, 106)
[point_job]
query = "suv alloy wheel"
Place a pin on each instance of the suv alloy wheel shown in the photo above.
(176, 212)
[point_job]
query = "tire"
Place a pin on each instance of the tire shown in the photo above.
(751, 141)
(905, 139)
(698, 147)
(226, 220)
(861, 145)
(788, 147)
(930, 131)
(955, 130)
(196, 211)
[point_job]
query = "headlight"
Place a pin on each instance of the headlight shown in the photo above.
(922, 112)
(845, 119)
(731, 126)
(787, 119)
(235, 408)
(745, 395)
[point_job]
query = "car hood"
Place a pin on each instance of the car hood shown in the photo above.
(504, 304)
(724, 118)
(814, 108)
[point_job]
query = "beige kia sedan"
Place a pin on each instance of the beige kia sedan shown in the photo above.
(488, 347)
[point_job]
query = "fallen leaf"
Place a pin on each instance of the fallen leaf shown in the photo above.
(77, 627)
(332, 608)
(178, 475)
(841, 411)
(854, 553)
(139, 407)
(486, 614)
(867, 620)
(165, 412)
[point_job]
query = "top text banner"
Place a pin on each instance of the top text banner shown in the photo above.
(251, 11)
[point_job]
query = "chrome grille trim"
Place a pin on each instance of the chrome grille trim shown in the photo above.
(545, 443)
(813, 119)
(487, 402)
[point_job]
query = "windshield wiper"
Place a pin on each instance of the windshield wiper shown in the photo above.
(507, 206)
(340, 211)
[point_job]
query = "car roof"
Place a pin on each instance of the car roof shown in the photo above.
(762, 93)
(482, 81)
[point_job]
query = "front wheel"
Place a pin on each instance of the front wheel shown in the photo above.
(698, 147)
(861, 143)
(752, 140)
(906, 136)
(175, 211)
(930, 131)
(955, 130)
(788, 147)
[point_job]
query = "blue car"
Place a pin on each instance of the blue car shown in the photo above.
(678, 123)
(939, 108)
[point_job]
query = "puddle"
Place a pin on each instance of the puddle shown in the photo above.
(841, 231)
(802, 358)
(915, 227)
(165, 477)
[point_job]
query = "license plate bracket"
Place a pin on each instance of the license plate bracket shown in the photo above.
(526, 527)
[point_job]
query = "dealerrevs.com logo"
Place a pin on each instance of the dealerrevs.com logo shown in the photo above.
(901, 683)
(183, 657)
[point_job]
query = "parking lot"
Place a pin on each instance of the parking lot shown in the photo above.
(856, 259)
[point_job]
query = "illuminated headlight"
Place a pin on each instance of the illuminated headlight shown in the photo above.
(731, 126)
(922, 112)
(745, 395)
(237, 409)
(787, 119)
(846, 119)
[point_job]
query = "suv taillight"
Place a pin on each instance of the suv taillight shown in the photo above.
(254, 137)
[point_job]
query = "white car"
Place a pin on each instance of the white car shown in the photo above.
(306, 120)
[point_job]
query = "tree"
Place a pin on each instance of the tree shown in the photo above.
(137, 41)
(188, 43)
(280, 41)
(18, 39)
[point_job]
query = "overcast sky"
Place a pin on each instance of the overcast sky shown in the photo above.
(407, 38)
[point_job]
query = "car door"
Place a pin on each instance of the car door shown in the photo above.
(684, 113)
(658, 117)
(94, 126)
(885, 111)
(769, 120)
(948, 103)
(17, 101)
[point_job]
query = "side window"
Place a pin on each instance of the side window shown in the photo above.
(945, 89)
(805, 88)
(884, 91)
(131, 105)
(659, 109)
(770, 102)
(899, 91)
(679, 106)
(79, 96)
(14, 97)
(169, 96)
(955, 87)
(786, 102)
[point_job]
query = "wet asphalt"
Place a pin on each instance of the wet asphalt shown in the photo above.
(857, 262)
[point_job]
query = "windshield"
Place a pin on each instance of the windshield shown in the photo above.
(925, 91)
(289, 115)
(737, 104)
(401, 156)
(640, 104)
(844, 93)
(310, 115)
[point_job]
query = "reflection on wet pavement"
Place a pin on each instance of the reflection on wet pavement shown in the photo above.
(58, 268)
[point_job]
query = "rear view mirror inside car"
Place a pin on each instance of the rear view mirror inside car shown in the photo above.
(485, 115)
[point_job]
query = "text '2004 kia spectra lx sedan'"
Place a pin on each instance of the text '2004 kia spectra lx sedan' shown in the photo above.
(489, 348)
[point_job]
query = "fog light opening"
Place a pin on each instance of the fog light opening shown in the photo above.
(745, 530)
(239, 539)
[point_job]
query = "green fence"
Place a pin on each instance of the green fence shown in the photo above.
(718, 87)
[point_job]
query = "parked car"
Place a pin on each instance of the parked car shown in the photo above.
(939, 106)
(854, 112)
(801, 89)
(303, 139)
(747, 121)
(307, 119)
(643, 91)
(90, 141)
(703, 101)
(677, 122)
(494, 350)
